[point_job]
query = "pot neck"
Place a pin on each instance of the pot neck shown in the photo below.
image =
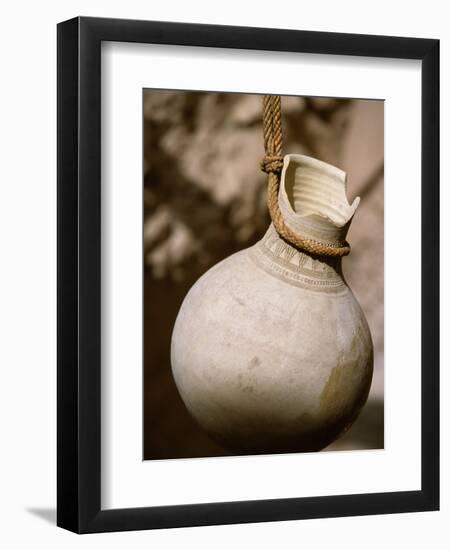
(293, 266)
(312, 199)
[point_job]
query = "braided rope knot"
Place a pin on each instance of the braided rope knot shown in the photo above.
(272, 164)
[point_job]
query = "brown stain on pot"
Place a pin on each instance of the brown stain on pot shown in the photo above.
(348, 376)
(333, 393)
(256, 361)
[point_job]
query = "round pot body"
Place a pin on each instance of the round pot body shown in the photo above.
(271, 351)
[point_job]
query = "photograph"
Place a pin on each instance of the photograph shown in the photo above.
(224, 275)
(248, 255)
(263, 274)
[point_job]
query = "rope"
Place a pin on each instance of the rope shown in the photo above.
(272, 164)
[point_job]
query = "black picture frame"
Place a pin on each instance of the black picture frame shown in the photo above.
(79, 280)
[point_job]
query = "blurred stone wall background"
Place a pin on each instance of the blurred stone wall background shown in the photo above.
(204, 199)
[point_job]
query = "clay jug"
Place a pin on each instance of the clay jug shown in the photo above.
(271, 351)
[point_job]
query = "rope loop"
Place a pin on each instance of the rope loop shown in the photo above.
(272, 164)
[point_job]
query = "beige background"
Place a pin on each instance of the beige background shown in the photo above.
(204, 198)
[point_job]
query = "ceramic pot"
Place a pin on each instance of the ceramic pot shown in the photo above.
(271, 351)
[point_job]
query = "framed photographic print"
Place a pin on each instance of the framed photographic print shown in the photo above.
(248, 304)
